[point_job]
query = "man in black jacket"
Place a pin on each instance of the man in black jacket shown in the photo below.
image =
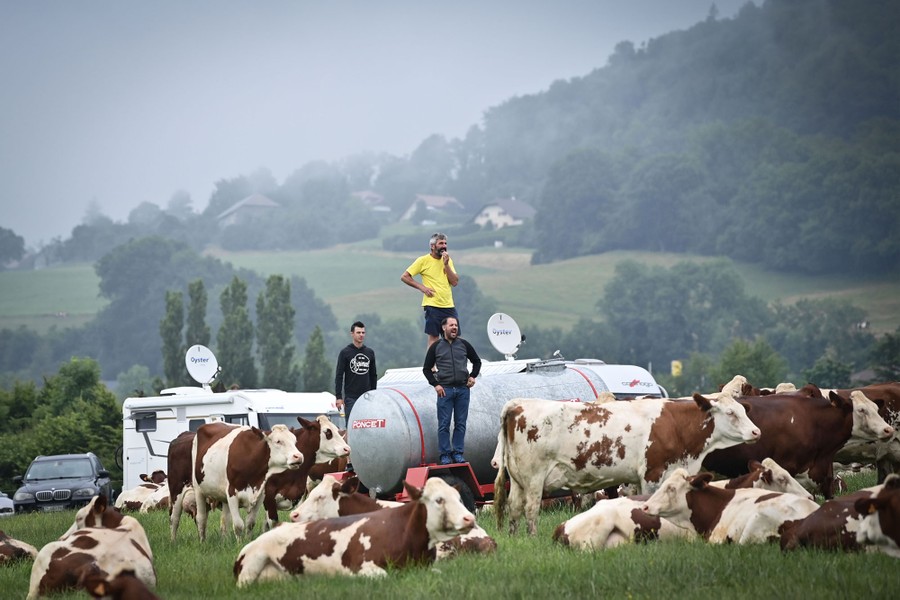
(451, 380)
(355, 373)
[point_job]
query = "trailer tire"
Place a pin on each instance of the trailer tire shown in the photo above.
(465, 492)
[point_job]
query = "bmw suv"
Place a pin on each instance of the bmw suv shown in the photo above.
(61, 482)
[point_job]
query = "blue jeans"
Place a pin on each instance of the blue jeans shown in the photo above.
(455, 403)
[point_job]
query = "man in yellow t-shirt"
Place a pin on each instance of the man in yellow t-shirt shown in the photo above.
(438, 280)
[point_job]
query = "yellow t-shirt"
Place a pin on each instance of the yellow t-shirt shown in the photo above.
(432, 271)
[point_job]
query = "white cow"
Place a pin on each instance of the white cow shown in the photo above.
(231, 465)
(722, 515)
(546, 446)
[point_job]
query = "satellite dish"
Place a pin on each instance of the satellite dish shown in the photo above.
(201, 363)
(504, 334)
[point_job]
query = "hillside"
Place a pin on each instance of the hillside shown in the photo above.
(362, 278)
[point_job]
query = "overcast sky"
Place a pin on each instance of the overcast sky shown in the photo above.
(116, 102)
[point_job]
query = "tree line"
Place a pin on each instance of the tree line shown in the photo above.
(772, 137)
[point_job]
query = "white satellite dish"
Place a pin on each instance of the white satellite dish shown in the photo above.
(504, 334)
(201, 363)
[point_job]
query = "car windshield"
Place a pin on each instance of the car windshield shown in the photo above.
(60, 469)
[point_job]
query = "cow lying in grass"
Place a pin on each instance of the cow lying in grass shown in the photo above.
(101, 540)
(719, 515)
(881, 526)
(361, 544)
(621, 520)
(333, 498)
(12, 550)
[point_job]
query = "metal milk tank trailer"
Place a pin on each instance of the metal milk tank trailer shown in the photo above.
(394, 427)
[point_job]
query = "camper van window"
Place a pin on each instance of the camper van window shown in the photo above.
(237, 419)
(267, 420)
(145, 422)
(194, 424)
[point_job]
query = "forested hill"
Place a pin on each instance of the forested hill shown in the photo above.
(771, 137)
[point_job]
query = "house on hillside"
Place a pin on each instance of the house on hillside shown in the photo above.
(372, 200)
(246, 209)
(504, 213)
(434, 205)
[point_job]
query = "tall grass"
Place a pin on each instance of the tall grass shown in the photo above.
(522, 567)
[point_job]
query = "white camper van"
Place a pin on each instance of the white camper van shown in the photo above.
(150, 423)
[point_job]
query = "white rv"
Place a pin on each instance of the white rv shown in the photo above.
(150, 423)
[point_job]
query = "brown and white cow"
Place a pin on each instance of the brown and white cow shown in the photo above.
(546, 446)
(180, 480)
(97, 514)
(740, 516)
(802, 433)
(110, 543)
(124, 586)
(320, 441)
(363, 544)
(620, 520)
(231, 464)
(333, 498)
(881, 526)
(832, 527)
(131, 500)
(12, 550)
(157, 500)
(884, 454)
(336, 498)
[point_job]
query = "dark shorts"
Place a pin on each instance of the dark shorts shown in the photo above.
(434, 316)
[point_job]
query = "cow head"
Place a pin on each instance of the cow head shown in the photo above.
(332, 443)
(776, 478)
(867, 423)
(446, 516)
(283, 451)
(881, 523)
(731, 423)
(323, 501)
(670, 500)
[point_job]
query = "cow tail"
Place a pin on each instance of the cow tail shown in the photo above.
(500, 481)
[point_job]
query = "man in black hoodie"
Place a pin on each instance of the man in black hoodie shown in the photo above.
(451, 380)
(355, 373)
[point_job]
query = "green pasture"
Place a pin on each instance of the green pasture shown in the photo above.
(522, 567)
(65, 296)
(362, 278)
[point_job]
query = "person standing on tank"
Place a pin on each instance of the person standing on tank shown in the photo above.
(452, 381)
(438, 280)
(355, 373)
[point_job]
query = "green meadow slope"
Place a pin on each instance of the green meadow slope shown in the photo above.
(363, 278)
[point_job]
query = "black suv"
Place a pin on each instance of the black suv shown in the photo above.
(61, 482)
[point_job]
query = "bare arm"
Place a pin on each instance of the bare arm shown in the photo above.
(408, 280)
(452, 277)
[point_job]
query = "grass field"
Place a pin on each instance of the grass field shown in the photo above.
(363, 278)
(522, 567)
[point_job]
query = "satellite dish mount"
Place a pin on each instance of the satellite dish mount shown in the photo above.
(504, 335)
(201, 363)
